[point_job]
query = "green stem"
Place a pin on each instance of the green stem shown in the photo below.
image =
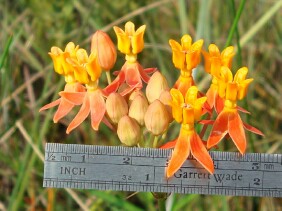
(161, 204)
(155, 144)
(148, 143)
(237, 35)
(6, 50)
(108, 77)
(235, 23)
(142, 142)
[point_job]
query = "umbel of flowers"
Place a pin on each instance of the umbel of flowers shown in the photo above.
(139, 106)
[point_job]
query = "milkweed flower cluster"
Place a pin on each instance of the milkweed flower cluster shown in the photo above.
(139, 106)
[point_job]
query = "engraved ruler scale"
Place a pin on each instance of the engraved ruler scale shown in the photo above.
(143, 170)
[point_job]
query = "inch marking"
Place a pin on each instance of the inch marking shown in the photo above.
(139, 169)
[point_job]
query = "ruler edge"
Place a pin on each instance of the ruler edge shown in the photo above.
(131, 151)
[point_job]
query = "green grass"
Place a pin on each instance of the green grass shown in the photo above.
(27, 81)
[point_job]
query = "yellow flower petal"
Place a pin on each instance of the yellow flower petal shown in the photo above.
(214, 51)
(186, 42)
(197, 46)
(130, 41)
(93, 68)
(82, 56)
(187, 55)
(241, 74)
(178, 56)
(137, 40)
(129, 28)
(243, 88)
(227, 55)
(231, 91)
(123, 40)
(198, 107)
(191, 95)
(176, 104)
(188, 116)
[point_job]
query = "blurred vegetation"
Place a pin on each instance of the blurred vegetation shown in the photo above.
(29, 28)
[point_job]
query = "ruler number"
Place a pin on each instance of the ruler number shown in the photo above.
(126, 177)
(255, 166)
(83, 158)
(147, 177)
(256, 181)
(126, 160)
(51, 157)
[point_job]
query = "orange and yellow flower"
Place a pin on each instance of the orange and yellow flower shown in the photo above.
(214, 60)
(87, 71)
(63, 67)
(187, 111)
(229, 121)
(185, 57)
(130, 42)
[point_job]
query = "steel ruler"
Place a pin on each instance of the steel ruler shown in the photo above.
(143, 169)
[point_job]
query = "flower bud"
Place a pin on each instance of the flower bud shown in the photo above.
(103, 45)
(156, 118)
(166, 99)
(138, 109)
(156, 85)
(134, 94)
(128, 131)
(116, 107)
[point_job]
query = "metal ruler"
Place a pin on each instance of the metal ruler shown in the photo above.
(142, 169)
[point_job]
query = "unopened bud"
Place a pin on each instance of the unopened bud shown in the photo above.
(156, 118)
(105, 48)
(166, 99)
(128, 131)
(138, 109)
(116, 107)
(156, 85)
(134, 94)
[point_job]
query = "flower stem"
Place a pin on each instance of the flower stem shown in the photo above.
(155, 144)
(108, 77)
(235, 23)
(161, 204)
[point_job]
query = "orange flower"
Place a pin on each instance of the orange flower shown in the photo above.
(86, 70)
(59, 57)
(65, 106)
(213, 98)
(214, 60)
(63, 67)
(185, 56)
(187, 111)
(130, 42)
(229, 120)
(132, 74)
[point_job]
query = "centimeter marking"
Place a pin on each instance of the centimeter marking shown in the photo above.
(142, 169)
